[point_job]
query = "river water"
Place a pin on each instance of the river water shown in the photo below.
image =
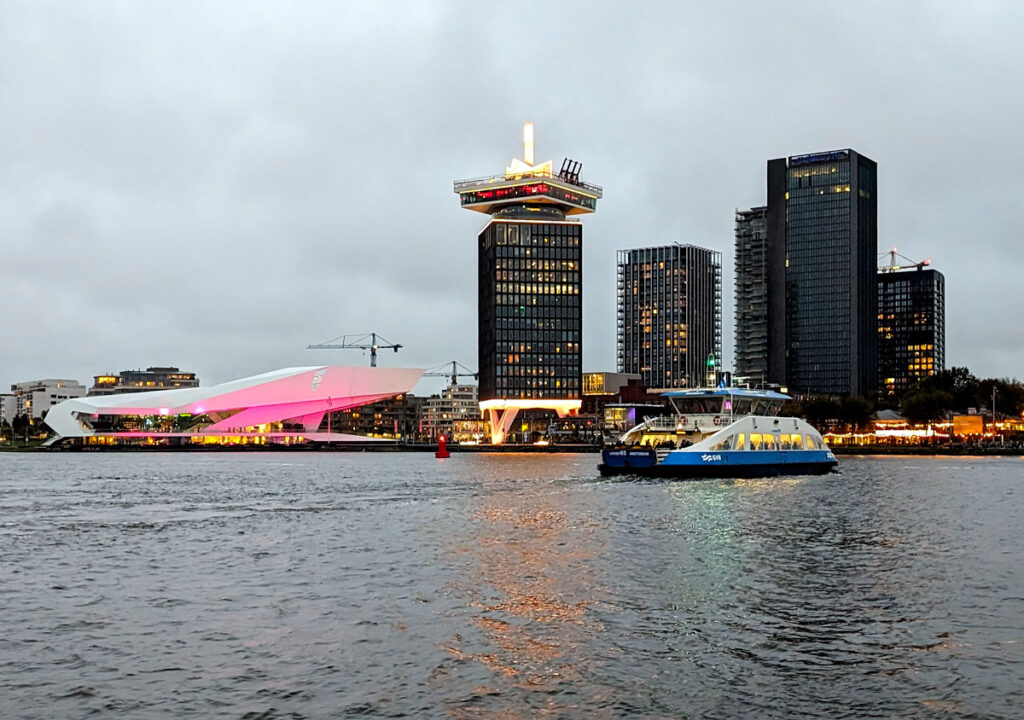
(309, 585)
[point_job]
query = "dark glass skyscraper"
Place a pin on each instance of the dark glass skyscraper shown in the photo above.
(821, 273)
(530, 286)
(911, 327)
(530, 309)
(751, 361)
(669, 314)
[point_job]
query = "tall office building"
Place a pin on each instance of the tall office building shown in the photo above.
(911, 325)
(670, 314)
(750, 365)
(530, 286)
(821, 273)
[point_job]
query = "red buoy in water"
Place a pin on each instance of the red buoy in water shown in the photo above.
(442, 448)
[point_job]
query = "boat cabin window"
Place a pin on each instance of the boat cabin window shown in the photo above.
(708, 405)
(732, 442)
(742, 405)
(763, 441)
(812, 442)
(791, 441)
(723, 444)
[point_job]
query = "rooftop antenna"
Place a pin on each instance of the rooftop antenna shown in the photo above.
(528, 143)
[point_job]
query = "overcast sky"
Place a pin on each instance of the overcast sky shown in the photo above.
(215, 185)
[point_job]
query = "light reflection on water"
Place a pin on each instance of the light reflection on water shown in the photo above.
(318, 585)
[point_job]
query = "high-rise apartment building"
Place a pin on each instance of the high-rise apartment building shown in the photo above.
(670, 314)
(530, 286)
(822, 290)
(911, 326)
(750, 365)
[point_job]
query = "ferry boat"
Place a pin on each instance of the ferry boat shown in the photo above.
(720, 432)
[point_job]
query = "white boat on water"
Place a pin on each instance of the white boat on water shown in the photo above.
(720, 432)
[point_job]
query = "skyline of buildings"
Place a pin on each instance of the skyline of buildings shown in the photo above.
(805, 253)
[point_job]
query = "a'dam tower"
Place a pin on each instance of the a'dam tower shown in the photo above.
(530, 286)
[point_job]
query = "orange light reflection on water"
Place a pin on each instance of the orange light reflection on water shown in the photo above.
(529, 592)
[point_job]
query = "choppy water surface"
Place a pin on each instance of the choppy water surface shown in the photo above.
(502, 586)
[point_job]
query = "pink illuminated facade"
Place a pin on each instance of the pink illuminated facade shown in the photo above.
(283, 406)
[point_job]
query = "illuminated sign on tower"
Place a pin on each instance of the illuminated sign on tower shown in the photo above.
(530, 286)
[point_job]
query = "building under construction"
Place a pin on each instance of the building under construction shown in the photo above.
(911, 323)
(750, 366)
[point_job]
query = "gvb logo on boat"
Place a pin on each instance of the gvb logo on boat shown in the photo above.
(708, 457)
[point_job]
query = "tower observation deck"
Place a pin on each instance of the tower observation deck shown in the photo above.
(530, 286)
(536, 187)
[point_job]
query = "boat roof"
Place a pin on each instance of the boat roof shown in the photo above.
(732, 391)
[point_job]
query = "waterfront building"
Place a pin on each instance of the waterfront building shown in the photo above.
(911, 326)
(454, 403)
(670, 315)
(530, 286)
(152, 378)
(750, 364)
(35, 398)
(821, 286)
(282, 406)
(393, 418)
(8, 408)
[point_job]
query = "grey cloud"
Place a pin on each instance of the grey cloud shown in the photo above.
(217, 186)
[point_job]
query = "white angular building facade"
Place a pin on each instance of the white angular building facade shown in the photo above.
(282, 406)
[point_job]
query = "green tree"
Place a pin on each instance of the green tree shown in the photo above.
(923, 406)
(1009, 395)
(21, 425)
(956, 386)
(855, 412)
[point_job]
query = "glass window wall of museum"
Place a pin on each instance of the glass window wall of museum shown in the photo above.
(536, 312)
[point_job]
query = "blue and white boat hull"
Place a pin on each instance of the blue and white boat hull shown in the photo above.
(686, 463)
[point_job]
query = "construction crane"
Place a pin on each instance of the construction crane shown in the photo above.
(370, 341)
(454, 373)
(893, 265)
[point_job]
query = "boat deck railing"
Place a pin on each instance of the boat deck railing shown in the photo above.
(662, 422)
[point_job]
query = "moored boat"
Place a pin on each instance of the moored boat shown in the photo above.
(720, 432)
